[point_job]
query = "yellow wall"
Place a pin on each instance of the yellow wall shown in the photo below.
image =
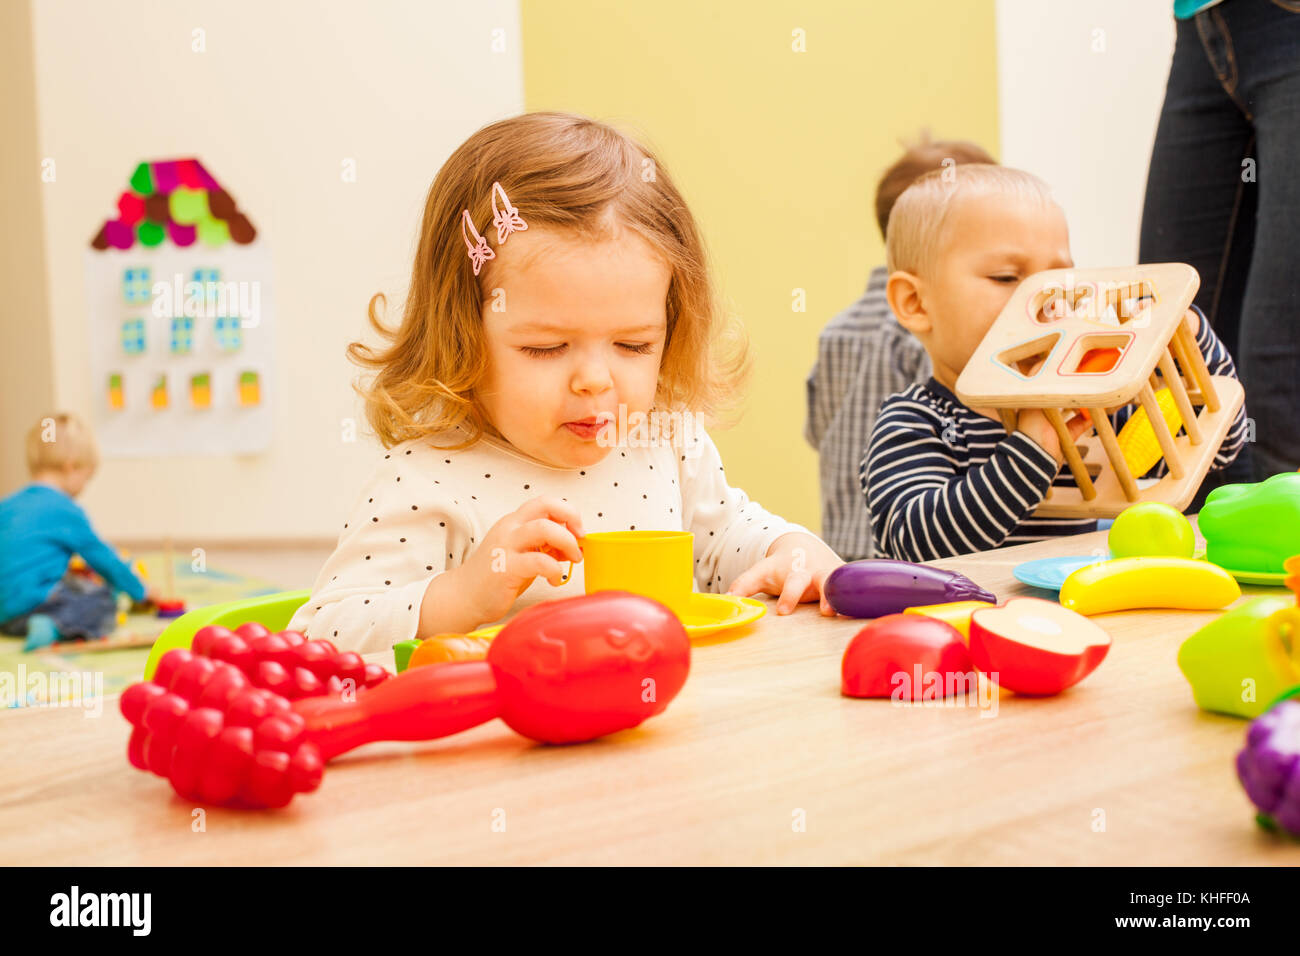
(778, 153)
(28, 385)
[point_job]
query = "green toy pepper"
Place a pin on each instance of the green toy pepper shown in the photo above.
(1242, 661)
(1253, 527)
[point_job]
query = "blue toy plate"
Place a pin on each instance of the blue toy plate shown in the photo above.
(1050, 573)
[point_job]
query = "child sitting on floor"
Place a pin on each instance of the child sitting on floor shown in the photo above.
(41, 528)
(943, 479)
(502, 397)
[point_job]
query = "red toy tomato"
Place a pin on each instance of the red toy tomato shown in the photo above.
(1036, 647)
(925, 651)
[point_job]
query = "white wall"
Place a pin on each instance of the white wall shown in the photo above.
(283, 94)
(1080, 87)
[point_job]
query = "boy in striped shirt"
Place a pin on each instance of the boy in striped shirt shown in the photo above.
(942, 479)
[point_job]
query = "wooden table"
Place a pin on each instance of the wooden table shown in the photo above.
(759, 760)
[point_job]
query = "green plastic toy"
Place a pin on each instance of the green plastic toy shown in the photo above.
(1151, 529)
(1242, 662)
(1253, 527)
(402, 652)
(272, 611)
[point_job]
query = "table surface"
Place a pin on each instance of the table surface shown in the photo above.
(758, 761)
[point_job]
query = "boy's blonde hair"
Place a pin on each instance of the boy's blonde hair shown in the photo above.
(918, 159)
(60, 439)
(919, 219)
(564, 171)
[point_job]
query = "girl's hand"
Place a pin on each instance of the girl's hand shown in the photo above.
(532, 541)
(529, 542)
(794, 571)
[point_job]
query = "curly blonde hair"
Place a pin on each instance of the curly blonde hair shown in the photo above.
(560, 170)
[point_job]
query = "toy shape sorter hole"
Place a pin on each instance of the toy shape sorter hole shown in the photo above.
(1027, 359)
(1146, 305)
(1098, 353)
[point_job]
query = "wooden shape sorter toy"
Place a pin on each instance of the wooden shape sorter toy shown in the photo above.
(1082, 341)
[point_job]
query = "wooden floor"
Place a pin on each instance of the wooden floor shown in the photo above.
(759, 760)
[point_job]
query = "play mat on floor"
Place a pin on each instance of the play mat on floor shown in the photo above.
(30, 675)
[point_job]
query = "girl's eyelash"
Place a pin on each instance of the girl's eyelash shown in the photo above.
(644, 348)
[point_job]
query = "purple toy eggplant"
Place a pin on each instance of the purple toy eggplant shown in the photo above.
(877, 587)
(1269, 766)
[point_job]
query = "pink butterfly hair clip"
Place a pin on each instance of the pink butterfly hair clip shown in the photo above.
(507, 221)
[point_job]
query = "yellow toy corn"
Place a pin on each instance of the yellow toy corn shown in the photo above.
(1137, 440)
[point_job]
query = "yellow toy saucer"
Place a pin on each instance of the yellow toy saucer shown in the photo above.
(705, 614)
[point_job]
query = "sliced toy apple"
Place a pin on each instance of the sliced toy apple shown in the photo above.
(907, 657)
(1037, 647)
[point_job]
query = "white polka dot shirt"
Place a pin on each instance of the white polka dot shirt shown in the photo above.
(425, 509)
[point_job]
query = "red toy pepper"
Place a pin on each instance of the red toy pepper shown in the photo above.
(911, 646)
(560, 672)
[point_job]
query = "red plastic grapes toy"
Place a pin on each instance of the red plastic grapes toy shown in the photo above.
(560, 672)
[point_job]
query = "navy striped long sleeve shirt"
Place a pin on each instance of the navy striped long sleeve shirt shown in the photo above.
(942, 480)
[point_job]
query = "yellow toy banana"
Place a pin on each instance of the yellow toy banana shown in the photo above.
(1122, 584)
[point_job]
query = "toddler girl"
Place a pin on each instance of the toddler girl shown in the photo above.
(559, 304)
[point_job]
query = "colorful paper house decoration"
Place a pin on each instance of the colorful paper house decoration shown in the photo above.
(250, 391)
(133, 336)
(229, 332)
(201, 391)
(176, 200)
(182, 334)
(180, 317)
(136, 286)
(208, 278)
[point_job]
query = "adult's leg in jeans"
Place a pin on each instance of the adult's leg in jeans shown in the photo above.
(1269, 359)
(1197, 209)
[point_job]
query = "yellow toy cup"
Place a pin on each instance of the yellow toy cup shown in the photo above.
(657, 564)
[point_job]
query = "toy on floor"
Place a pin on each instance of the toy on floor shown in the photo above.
(559, 672)
(1253, 528)
(1268, 766)
(1033, 357)
(1122, 584)
(1035, 647)
(877, 587)
(1151, 529)
(1248, 656)
(905, 657)
(170, 606)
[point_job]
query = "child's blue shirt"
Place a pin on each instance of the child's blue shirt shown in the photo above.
(41, 528)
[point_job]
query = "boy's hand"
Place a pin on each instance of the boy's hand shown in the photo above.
(794, 571)
(529, 542)
(1034, 423)
(153, 596)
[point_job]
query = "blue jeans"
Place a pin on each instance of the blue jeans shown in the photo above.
(77, 607)
(1223, 195)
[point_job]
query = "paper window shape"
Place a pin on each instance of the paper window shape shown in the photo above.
(158, 397)
(136, 286)
(201, 390)
(116, 397)
(133, 342)
(182, 334)
(250, 390)
(210, 280)
(230, 333)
